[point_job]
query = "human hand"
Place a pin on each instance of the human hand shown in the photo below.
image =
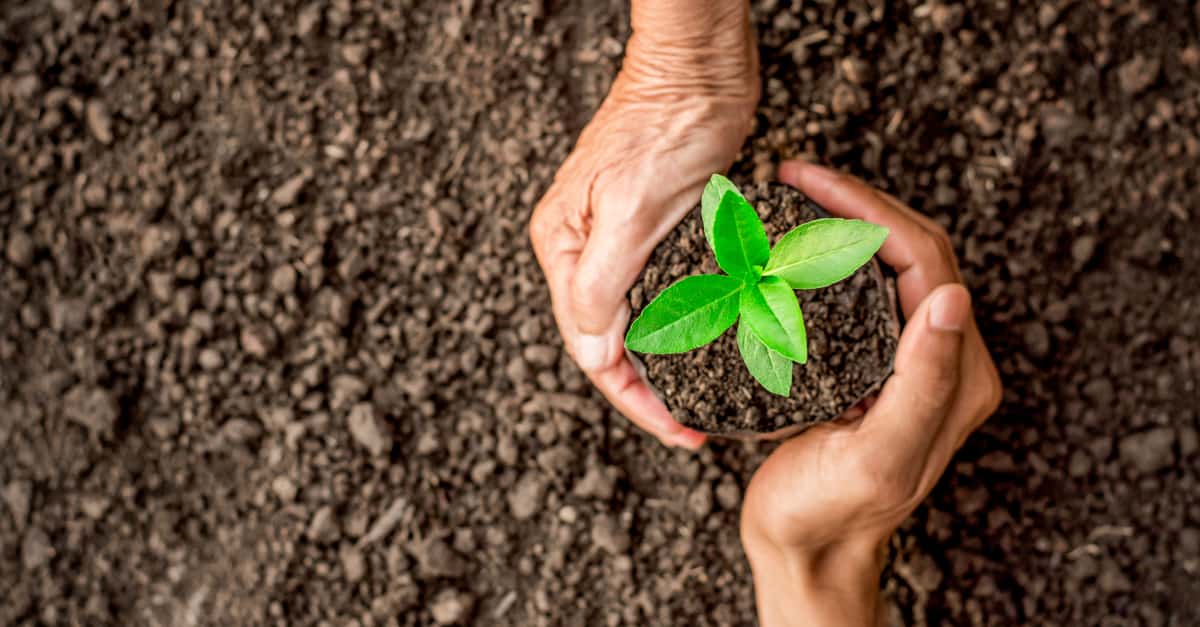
(678, 112)
(819, 511)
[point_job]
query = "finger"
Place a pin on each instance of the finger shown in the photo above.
(979, 394)
(557, 249)
(624, 388)
(608, 266)
(916, 400)
(916, 248)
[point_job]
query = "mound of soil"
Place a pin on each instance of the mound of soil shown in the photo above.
(852, 333)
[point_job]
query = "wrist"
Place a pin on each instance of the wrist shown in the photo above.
(693, 44)
(834, 586)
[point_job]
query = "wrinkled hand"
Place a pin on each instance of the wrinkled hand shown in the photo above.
(678, 112)
(819, 511)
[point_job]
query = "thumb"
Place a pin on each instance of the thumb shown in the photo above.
(917, 397)
(607, 268)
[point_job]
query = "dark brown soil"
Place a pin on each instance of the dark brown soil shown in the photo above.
(851, 325)
(248, 245)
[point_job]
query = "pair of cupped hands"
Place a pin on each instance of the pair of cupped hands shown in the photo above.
(819, 510)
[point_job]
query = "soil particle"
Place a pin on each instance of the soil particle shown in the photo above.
(451, 607)
(368, 430)
(525, 498)
(1148, 452)
(857, 70)
(987, 123)
(18, 496)
(947, 17)
(19, 249)
(1047, 15)
(91, 407)
(36, 550)
(1083, 249)
(609, 535)
(847, 100)
(346, 389)
(700, 500)
(436, 559)
(284, 488)
(324, 527)
(1080, 464)
(99, 121)
(541, 355)
(283, 279)
(385, 523)
(850, 324)
(1061, 127)
(1138, 73)
(596, 483)
(729, 494)
(94, 506)
(257, 340)
(286, 194)
(210, 359)
(354, 563)
(1189, 442)
(239, 431)
(1112, 579)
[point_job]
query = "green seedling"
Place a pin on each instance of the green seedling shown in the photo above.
(758, 286)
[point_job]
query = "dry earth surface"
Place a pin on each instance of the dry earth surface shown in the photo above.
(275, 349)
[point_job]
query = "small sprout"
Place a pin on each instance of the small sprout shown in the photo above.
(758, 286)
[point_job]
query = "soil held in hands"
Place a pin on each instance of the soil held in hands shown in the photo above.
(852, 336)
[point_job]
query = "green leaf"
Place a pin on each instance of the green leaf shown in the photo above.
(773, 314)
(823, 252)
(772, 370)
(739, 241)
(689, 314)
(714, 192)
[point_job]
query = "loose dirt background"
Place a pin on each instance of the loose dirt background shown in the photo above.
(275, 349)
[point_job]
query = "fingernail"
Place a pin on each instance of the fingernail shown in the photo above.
(949, 310)
(591, 351)
(688, 439)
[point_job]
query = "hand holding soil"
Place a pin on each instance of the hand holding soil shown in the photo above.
(678, 111)
(819, 510)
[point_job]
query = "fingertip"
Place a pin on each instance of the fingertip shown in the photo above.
(595, 351)
(688, 439)
(950, 308)
(789, 171)
(805, 175)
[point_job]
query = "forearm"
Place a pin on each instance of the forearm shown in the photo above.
(838, 587)
(691, 23)
(698, 42)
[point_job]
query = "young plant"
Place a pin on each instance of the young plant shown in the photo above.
(759, 286)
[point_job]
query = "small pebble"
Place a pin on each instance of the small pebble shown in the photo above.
(99, 122)
(19, 250)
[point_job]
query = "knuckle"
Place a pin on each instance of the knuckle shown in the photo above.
(939, 239)
(938, 392)
(927, 240)
(539, 227)
(992, 395)
(876, 482)
(586, 292)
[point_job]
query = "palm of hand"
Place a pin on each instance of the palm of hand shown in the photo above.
(637, 169)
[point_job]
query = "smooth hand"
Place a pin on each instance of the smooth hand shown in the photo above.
(820, 510)
(678, 112)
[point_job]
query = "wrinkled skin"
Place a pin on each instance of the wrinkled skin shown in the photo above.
(819, 511)
(678, 111)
